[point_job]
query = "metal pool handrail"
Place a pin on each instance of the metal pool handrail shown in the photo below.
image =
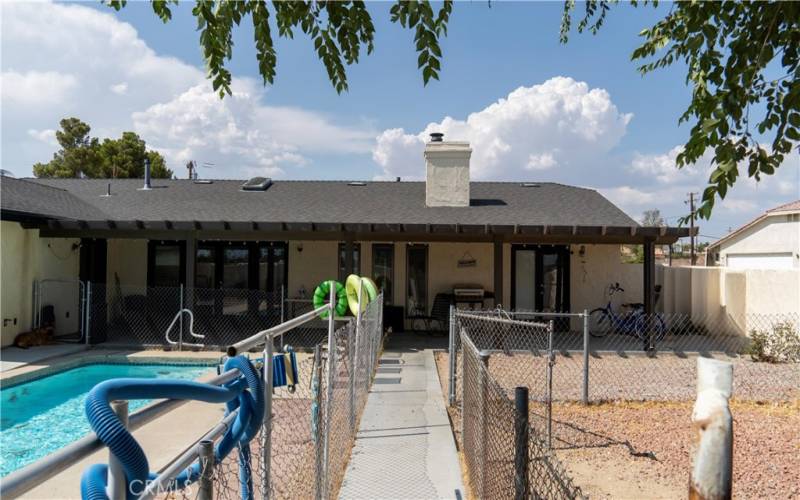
(265, 338)
(33, 474)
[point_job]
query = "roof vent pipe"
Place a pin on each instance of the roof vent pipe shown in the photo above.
(437, 137)
(146, 174)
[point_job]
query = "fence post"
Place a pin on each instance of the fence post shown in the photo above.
(117, 482)
(585, 395)
(88, 311)
(331, 371)
(521, 443)
(354, 361)
(712, 465)
(483, 385)
(205, 453)
(551, 361)
(318, 445)
(180, 321)
(283, 314)
(266, 431)
(451, 399)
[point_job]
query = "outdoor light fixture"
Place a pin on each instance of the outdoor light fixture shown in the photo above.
(300, 248)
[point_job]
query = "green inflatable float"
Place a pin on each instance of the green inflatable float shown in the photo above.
(323, 291)
(352, 286)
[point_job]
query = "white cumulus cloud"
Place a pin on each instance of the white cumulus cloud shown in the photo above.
(62, 60)
(561, 122)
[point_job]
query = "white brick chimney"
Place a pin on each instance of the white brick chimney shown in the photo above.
(447, 172)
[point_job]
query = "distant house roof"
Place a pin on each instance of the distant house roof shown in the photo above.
(786, 208)
(514, 207)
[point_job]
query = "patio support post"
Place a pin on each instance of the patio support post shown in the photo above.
(498, 272)
(348, 255)
(451, 348)
(191, 255)
(585, 395)
(117, 483)
(649, 285)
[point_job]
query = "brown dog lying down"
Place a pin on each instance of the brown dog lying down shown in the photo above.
(35, 337)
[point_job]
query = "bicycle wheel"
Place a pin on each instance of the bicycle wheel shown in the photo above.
(599, 323)
(654, 324)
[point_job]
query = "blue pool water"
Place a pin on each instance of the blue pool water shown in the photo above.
(41, 416)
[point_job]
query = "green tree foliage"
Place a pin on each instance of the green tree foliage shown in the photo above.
(83, 155)
(339, 30)
(743, 63)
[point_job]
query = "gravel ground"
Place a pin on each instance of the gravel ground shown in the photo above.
(642, 449)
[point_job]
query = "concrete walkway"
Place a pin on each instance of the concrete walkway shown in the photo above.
(404, 447)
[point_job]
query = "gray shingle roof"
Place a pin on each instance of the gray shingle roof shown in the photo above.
(493, 203)
(30, 198)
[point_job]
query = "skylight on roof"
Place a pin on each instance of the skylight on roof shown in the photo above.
(357, 183)
(257, 184)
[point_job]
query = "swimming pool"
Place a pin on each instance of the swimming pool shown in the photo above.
(43, 415)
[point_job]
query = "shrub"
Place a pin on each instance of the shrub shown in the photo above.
(780, 345)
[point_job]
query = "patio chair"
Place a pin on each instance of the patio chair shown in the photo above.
(440, 313)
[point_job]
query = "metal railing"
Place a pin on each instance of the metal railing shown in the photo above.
(305, 439)
(24, 479)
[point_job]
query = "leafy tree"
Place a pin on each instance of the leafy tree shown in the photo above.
(78, 154)
(124, 157)
(652, 218)
(743, 63)
(339, 30)
(83, 155)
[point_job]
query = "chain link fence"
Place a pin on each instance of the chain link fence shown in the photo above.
(490, 437)
(313, 427)
(597, 389)
(124, 316)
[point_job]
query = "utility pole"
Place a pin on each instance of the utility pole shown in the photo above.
(691, 228)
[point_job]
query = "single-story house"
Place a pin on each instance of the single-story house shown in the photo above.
(770, 241)
(526, 245)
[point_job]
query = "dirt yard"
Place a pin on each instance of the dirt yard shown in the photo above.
(642, 449)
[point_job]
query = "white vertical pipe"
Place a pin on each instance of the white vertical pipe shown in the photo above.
(117, 484)
(354, 360)
(712, 462)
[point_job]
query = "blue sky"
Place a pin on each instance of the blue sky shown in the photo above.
(532, 108)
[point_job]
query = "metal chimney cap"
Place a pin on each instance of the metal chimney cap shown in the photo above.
(437, 137)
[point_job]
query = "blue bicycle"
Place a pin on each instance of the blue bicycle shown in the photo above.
(604, 320)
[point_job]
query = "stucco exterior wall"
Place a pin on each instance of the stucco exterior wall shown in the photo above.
(591, 275)
(719, 297)
(776, 234)
(25, 257)
(316, 263)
